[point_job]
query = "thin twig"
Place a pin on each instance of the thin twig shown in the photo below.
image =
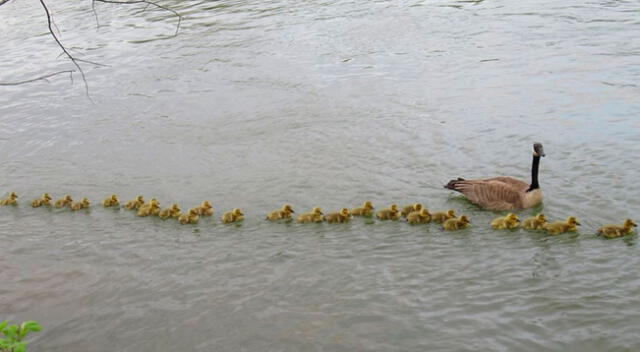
(44, 78)
(73, 59)
(95, 14)
(133, 2)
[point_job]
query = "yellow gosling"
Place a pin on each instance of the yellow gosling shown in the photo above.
(408, 209)
(315, 215)
(112, 201)
(511, 221)
(84, 203)
(535, 222)
(454, 224)
(205, 208)
(44, 200)
(559, 227)
(614, 231)
(390, 213)
(135, 203)
(63, 202)
(191, 217)
(338, 217)
(10, 200)
(151, 208)
(419, 217)
(365, 210)
(441, 216)
(284, 213)
(171, 212)
(235, 215)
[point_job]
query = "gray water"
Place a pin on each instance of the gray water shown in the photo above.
(257, 103)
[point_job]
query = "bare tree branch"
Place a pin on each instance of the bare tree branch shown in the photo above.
(133, 2)
(43, 78)
(73, 59)
(95, 14)
(51, 24)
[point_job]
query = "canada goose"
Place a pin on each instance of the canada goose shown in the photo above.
(443, 216)
(534, 223)
(111, 201)
(190, 217)
(135, 203)
(390, 213)
(44, 200)
(84, 203)
(284, 213)
(408, 209)
(559, 227)
(508, 222)
(419, 217)
(342, 216)
(456, 223)
(10, 200)
(205, 208)
(365, 210)
(613, 231)
(232, 216)
(63, 202)
(503, 193)
(314, 216)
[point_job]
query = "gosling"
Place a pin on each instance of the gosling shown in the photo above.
(83, 204)
(315, 215)
(535, 223)
(613, 231)
(365, 210)
(441, 216)
(152, 208)
(284, 213)
(454, 224)
(390, 213)
(408, 209)
(191, 217)
(172, 212)
(63, 202)
(205, 209)
(235, 215)
(419, 217)
(560, 227)
(112, 201)
(342, 216)
(135, 204)
(511, 221)
(10, 200)
(44, 200)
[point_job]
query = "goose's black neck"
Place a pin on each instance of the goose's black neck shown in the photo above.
(534, 173)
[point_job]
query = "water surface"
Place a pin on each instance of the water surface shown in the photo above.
(257, 103)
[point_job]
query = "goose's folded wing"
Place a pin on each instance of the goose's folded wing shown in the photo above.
(513, 182)
(490, 194)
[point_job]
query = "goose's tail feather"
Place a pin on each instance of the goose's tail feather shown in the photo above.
(452, 184)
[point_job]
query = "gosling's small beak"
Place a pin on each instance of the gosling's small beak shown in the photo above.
(577, 223)
(292, 211)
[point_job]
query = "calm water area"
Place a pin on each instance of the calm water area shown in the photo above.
(328, 103)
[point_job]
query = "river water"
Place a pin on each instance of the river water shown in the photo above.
(329, 103)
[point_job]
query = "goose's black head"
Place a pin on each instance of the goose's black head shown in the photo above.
(538, 150)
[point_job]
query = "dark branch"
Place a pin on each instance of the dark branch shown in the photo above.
(133, 2)
(73, 59)
(43, 78)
